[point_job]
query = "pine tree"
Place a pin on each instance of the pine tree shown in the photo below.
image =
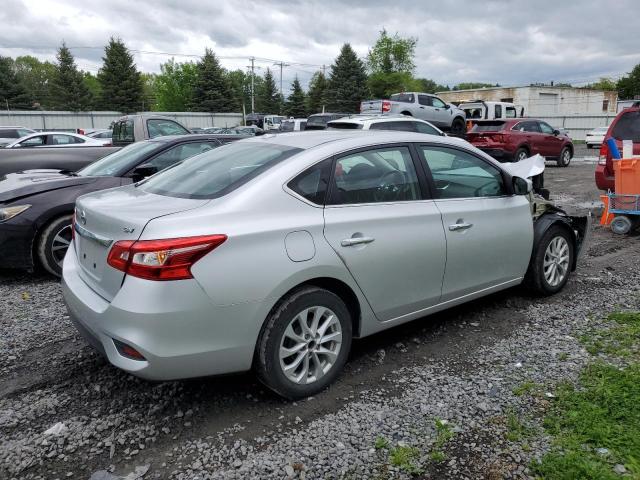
(295, 106)
(347, 85)
(212, 92)
(267, 96)
(12, 93)
(317, 92)
(68, 89)
(119, 79)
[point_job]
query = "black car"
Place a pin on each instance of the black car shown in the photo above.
(318, 121)
(36, 206)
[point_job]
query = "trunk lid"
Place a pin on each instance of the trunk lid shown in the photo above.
(486, 133)
(105, 217)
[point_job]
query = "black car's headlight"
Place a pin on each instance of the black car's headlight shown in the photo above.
(7, 213)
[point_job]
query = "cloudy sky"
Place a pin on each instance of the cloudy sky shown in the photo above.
(500, 41)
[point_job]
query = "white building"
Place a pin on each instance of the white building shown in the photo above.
(541, 101)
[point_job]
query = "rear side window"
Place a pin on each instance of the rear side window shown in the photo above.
(9, 133)
(219, 171)
(397, 126)
(403, 97)
(123, 131)
(488, 127)
(424, 100)
(345, 125)
(64, 139)
(498, 111)
(160, 127)
(421, 127)
(511, 112)
(531, 127)
(313, 183)
(627, 127)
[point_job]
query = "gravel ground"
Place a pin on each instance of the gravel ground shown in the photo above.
(458, 367)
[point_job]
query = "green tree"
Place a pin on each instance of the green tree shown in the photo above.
(382, 85)
(212, 92)
(347, 85)
(149, 101)
(119, 79)
(296, 105)
(427, 85)
(473, 85)
(241, 86)
(93, 85)
(267, 96)
(68, 89)
(13, 95)
(629, 86)
(392, 54)
(603, 84)
(317, 90)
(36, 77)
(174, 86)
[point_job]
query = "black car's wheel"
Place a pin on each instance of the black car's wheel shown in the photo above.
(304, 343)
(458, 127)
(53, 243)
(521, 154)
(551, 262)
(565, 157)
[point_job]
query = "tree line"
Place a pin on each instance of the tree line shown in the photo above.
(205, 86)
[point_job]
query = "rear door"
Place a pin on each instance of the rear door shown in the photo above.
(530, 130)
(489, 232)
(388, 235)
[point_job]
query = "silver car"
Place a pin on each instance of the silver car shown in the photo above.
(273, 253)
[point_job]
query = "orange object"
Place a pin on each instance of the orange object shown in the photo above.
(606, 217)
(627, 175)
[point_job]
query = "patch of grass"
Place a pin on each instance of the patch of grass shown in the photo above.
(604, 413)
(526, 387)
(381, 443)
(516, 429)
(563, 356)
(443, 435)
(406, 458)
(622, 340)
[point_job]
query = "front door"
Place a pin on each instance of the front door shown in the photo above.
(552, 143)
(489, 232)
(388, 236)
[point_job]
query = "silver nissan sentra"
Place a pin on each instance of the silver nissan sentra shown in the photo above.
(274, 253)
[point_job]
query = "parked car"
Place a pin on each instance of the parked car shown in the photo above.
(516, 139)
(595, 137)
(626, 126)
(318, 121)
(56, 140)
(102, 134)
(36, 206)
(11, 134)
(402, 123)
(134, 128)
(293, 125)
(488, 110)
(420, 105)
(246, 256)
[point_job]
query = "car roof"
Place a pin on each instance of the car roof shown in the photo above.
(179, 138)
(15, 126)
(360, 118)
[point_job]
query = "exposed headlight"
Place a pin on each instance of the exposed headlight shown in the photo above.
(7, 213)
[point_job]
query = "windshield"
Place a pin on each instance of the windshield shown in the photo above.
(218, 172)
(627, 127)
(402, 97)
(122, 159)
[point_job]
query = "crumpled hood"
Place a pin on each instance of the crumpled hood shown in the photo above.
(29, 182)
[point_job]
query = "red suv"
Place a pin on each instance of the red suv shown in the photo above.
(515, 139)
(626, 126)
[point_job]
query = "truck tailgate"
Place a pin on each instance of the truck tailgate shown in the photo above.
(371, 106)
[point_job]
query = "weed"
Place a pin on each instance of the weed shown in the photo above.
(443, 435)
(381, 443)
(406, 458)
(563, 356)
(622, 340)
(516, 430)
(525, 388)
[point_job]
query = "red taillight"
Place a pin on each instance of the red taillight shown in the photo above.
(169, 259)
(386, 106)
(604, 152)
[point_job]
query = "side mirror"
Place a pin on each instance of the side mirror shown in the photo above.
(522, 186)
(447, 106)
(143, 171)
(556, 132)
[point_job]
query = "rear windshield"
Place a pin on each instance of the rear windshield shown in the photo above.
(318, 120)
(218, 172)
(488, 127)
(627, 127)
(345, 126)
(123, 131)
(403, 97)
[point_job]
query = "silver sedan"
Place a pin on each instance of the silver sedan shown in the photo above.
(273, 253)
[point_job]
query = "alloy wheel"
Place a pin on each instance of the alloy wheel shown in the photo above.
(60, 244)
(566, 157)
(310, 345)
(556, 261)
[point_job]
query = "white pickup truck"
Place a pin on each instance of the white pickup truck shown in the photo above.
(489, 110)
(420, 105)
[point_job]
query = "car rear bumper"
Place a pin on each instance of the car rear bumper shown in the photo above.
(16, 245)
(603, 181)
(173, 324)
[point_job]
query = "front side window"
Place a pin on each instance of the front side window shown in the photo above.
(546, 128)
(458, 174)
(377, 175)
(219, 171)
(498, 111)
(38, 141)
(159, 128)
(437, 103)
(179, 153)
(313, 183)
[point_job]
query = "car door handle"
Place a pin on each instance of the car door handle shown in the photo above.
(460, 226)
(350, 242)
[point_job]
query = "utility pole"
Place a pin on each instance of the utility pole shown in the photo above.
(281, 64)
(7, 102)
(253, 103)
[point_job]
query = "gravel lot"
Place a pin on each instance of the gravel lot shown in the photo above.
(458, 367)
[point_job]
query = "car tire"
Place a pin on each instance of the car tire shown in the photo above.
(52, 244)
(458, 127)
(521, 154)
(293, 361)
(565, 157)
(555, 244)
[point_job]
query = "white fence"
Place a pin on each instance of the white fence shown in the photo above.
(59, 120)
(579, 125)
